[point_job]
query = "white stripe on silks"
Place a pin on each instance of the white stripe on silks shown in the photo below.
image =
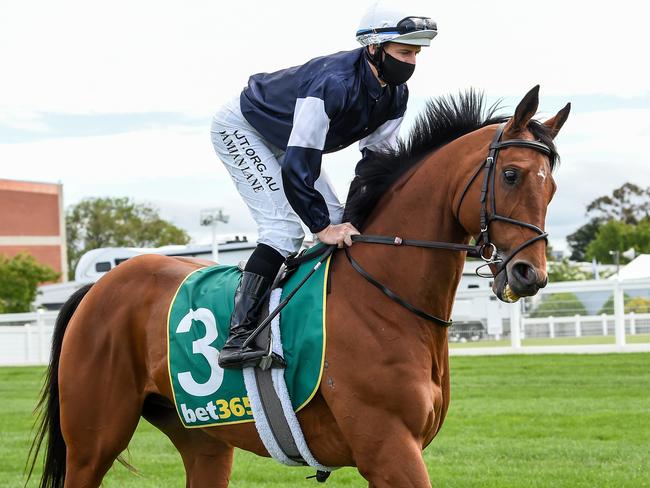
(310, 124)
(384, 137)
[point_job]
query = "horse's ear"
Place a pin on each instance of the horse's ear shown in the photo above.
(524, 112)
(555, 123)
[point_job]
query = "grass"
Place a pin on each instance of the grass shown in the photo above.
(529, 421)
(557, 341)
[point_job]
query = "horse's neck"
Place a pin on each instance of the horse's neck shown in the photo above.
(420, 207)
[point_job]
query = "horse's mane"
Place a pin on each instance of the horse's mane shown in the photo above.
(443, 120)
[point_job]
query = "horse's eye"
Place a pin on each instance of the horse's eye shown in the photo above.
(511, 176)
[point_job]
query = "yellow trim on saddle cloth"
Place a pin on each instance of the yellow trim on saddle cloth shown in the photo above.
(322, 359)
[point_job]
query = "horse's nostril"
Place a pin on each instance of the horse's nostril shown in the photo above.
(525, 273)
(544, 282)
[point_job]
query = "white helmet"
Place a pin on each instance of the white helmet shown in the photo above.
(388, 23)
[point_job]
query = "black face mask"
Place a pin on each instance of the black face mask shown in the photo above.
(395, 72)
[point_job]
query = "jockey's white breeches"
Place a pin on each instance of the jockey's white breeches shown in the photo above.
(254, 166)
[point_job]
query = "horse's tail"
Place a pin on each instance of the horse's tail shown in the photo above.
(49, 421)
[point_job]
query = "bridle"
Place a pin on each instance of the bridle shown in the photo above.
(483, 241)
(484, 248)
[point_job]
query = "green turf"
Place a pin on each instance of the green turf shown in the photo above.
(515, 421)
(557, 341)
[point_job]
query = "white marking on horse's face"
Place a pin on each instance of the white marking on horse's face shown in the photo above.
(542, 174)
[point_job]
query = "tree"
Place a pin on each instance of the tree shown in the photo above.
(19, 278)
(619, 236)
(629, 204)
(566, 271)
(638, 305)
(559, 305)
(116, 222)
(612, 236)
(630, 304)
(580, 239)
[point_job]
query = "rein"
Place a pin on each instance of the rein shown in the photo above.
(483, 242)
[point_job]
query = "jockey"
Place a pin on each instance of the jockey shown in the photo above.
(272, 137)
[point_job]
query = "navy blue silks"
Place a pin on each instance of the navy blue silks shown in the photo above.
(321, 106)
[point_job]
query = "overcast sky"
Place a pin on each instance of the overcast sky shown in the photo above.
(115, 98)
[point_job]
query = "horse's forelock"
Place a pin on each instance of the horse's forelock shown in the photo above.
(544, 135)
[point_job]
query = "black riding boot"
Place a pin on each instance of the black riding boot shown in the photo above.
(243, 322)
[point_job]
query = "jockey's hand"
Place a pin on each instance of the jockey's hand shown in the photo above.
(339, 234)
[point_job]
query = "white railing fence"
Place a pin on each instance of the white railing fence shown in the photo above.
(583, 295)
(26, 338)
(583, 325)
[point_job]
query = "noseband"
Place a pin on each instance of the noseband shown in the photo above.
(484, 249)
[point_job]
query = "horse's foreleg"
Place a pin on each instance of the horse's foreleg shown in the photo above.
(395, 462)
(208, 461)
(385, 451)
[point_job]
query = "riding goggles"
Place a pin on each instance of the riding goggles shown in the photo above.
(405, 26)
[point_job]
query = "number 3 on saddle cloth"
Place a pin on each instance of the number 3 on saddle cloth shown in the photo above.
(197, 328)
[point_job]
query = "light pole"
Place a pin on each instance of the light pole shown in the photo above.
(617, 258)
(211, 216)
(630, 254)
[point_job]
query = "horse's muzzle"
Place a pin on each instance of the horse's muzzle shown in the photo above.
(524, 279)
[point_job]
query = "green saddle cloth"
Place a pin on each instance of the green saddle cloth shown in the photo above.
(197, 328)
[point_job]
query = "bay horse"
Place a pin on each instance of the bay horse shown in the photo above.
(385, 388)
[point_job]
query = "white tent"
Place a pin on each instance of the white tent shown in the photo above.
(638, 268)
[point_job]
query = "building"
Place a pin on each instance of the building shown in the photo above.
(32, 221)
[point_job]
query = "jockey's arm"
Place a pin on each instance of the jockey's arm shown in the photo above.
(384, 138)
(301, 164)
